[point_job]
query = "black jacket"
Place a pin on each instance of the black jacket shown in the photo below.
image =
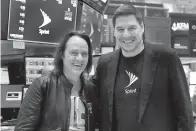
(164, 99)
(47, 103)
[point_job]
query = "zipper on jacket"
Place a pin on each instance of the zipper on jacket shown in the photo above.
(88, 120)
(69, 103)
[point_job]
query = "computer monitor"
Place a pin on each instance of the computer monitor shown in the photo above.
(41, 21)
(100, 5)
(35, 65)
(11, 96)
(90, 22)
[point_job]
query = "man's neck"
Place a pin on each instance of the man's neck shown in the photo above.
(134, 52)
(71, 77)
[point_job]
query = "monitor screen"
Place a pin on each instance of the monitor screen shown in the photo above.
(99, 5)
(180, 27)
(180, 23)
(181, 45)
(4, 75)
(43, 21)
(34, 67)
(107, 38)
(91, 22)
(11, 96)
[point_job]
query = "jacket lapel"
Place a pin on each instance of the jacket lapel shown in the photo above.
(111, 77)
(148, 75)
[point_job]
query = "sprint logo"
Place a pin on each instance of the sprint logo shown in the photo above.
(46, 21)
(132, 79)
(46, 18)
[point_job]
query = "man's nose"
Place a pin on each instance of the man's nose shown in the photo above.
(126, 33)
(79, 56)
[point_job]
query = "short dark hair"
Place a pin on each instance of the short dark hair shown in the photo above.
(127, 10)
(58, 62)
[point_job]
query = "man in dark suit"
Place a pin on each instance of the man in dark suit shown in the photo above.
(141, 87)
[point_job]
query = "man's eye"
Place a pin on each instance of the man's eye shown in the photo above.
(131, 29)
(120, 30)
(74, 53)
(84, 54)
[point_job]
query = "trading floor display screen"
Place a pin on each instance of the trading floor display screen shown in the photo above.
(98, 4)
(43, 21)
(107, 31)
(91, 22)
(183, 34)
(34, 66)
(181, 45)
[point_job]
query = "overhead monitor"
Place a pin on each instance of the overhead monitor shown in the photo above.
(41, 21)
(91, 22)
(180, 27)
(99, 5)
(183, 24)
(107, 38)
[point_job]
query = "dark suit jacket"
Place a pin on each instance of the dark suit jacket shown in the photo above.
(165, 101)
(194, 103)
